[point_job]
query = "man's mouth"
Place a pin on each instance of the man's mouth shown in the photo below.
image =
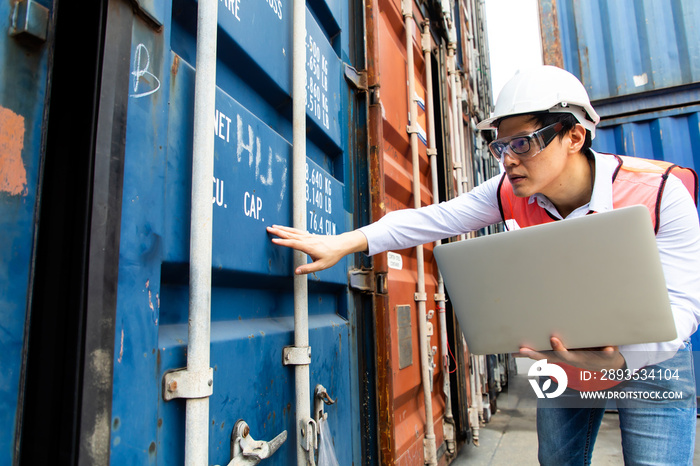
(514, 178)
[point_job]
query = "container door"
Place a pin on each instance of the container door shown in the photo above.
(252, 295)
(24, 75)
(401, 400)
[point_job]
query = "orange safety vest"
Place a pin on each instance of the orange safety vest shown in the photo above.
(635, 181)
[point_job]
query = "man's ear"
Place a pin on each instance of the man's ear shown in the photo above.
(577, 137)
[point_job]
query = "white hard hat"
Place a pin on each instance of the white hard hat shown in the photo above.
(544, 89)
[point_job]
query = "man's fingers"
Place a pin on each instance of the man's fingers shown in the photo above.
(316, 265)
(280, 232)
(283, 231)
(557, 345)
(308, 268)
(532, 354)
(293, 243)
(522, 354)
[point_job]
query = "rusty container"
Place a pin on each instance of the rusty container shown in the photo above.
(401, 405)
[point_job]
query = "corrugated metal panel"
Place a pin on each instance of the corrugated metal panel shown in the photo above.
(23, 93)
(402, 418)
(402, 424)
(670, 136)
(626, 47)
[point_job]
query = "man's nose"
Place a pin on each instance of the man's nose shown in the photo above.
(509, 158)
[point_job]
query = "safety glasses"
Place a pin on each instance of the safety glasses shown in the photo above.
(524, 147)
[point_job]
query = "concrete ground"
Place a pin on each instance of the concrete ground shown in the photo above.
(510, 438)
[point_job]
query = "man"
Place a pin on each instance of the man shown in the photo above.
(545, 124)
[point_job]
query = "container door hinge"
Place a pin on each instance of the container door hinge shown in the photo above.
(29, 19)
(187, 384)
(362, 280)
(367, 281)
(382, 287)
(374, 95)
(246, 451)
(358, 79)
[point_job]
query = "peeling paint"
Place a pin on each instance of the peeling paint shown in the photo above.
(155, 311)
(13, 174)
(640, 80)
(121, 348)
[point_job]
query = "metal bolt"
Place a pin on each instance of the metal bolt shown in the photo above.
(211, 382)
(308, 351)
(246, 430)
(172, 386)
(287, 356)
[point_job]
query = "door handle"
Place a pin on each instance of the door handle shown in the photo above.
(246, 451)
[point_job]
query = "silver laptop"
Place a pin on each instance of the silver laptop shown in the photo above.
(591, 281)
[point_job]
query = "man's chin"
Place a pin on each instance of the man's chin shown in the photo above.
(521, 192)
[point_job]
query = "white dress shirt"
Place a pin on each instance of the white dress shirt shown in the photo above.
(678, 240)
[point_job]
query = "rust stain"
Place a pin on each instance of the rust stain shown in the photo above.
(176, 65)
(549, 27)
(13, 174)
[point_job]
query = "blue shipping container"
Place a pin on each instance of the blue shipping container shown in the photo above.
(23, 93)
(626, 47)
(252, 298)
(130, 310)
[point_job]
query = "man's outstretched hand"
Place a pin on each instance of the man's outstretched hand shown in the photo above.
(325, 250)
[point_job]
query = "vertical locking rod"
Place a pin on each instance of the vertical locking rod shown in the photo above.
(198, 341)
(430, 451)
(301, 291)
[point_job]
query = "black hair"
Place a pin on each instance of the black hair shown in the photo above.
(568, 120)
